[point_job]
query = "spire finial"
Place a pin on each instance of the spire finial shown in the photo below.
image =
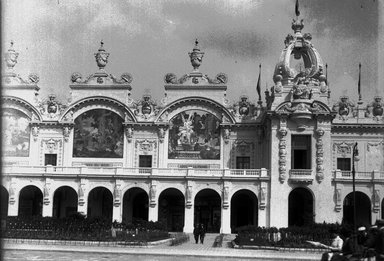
(196, 56)
(101, 56)
(11, 57)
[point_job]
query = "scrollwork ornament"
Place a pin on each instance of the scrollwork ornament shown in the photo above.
(129, 133)
(35, 132)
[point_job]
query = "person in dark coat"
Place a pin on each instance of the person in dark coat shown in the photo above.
(196, 233)
(379, 242)
(202, 233)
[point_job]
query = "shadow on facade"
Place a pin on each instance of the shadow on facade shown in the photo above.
(363, 209)
(135, 205)
(208, 210)
(64, 202)
(244, 209)
(30, 201)
(300, 207)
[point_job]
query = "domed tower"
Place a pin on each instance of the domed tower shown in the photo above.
(300, 132)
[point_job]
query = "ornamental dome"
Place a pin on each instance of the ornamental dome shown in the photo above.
(299, 58)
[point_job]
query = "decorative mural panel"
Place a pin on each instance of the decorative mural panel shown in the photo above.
(375, 156)
(194, 134)
(98, 134)
(16, 133)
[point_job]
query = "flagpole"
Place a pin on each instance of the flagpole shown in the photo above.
(359, 83)
(258, 87)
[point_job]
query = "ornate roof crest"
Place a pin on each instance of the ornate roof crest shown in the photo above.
(146, 108)
(195, 77)
(50, 108)
(196, 57)
(101, 77)
(11, 78)
(101, 56)
(344, 108)
(375, 109)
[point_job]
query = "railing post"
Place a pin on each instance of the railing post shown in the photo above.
(227, 172)
(263, 172)
(154, 171)
(375, 175)
(190, 171)
(337, 173)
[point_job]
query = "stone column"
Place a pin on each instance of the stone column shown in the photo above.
(226, 220)
(189, 213)
(153, 212)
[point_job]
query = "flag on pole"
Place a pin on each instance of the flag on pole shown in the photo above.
(358, 84)
(297, 8)
(258, 84)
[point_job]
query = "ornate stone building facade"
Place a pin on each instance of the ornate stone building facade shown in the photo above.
(193, 157)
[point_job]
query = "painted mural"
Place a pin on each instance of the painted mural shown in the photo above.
(98, 134)
(16, 133)
(194, 134)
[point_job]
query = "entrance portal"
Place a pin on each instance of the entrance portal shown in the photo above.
(208, 210)
(244, 206)
(100, 202)
(135, 205)
(363, 206)
(64, 202)
(30, 201)
(171, 209)
(300, 207)
(4, 198)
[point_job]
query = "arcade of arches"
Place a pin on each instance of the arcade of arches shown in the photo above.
(207, 206)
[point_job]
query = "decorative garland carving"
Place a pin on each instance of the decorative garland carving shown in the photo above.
(12, 198)
(338, 200)
(116, 195)
(67, 132)
(35, 132)
(282, 150)
(152, 196)
(376, 200)
(129, 132)
(81, 200)
(188, 197)
(263, 192)
(46, 200)
(319, 155)
(225, 197)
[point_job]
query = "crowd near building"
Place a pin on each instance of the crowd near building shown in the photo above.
(192, 156)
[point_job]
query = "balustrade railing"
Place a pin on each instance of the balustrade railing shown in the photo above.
(300, 172)
(359, 175)
(111, 171)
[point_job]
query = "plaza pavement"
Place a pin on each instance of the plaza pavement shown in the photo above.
(186, 249)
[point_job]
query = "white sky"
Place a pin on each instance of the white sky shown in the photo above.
(151, 38)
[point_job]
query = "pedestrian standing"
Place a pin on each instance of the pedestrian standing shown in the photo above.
(202, 233)
(379, 242)
(196, 233)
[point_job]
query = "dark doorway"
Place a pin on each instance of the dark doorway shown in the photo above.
(363, 209)
(30, 201)
(64, 202)
(171, 209)
(244, 206)
(100, 202)
(4, 198)
(300, 207)
(208, 210)
(135, 205)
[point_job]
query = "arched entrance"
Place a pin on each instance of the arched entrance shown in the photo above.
(100, 202)
(300, 207)
(363, 209)
(171, 209)
(30, 201)
(208, 210)
(135, 205)
(64, 202)
(4, 198)
(244, 206)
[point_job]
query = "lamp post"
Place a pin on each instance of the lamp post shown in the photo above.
(355, 154)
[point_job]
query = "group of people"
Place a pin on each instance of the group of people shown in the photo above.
(199, 232)
(365, 245)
